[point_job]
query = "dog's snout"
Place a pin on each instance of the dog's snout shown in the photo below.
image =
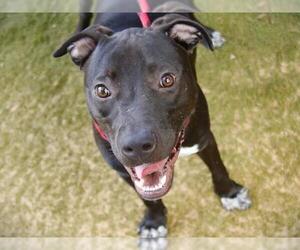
(139, 145)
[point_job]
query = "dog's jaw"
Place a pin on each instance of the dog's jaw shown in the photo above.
(154, 180)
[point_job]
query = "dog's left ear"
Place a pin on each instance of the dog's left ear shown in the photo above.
(186, 32)
(81, 45)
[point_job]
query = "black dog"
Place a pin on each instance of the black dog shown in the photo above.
(147, 106)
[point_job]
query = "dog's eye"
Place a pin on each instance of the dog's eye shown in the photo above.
(167, 80)
(102, 91)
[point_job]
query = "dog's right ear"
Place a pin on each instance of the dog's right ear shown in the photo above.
(184, 31)
(81, 45)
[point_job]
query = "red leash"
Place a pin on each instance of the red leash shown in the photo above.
(143, 15)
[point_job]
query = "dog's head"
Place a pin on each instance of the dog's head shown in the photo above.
(141, 89)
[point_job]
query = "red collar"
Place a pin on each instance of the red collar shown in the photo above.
(100, 131)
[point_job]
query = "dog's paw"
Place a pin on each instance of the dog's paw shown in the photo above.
(240, 201)
(217, 39)
(148, 233)
(153, 243)
(153, 225)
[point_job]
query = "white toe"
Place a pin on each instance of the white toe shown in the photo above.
(162, 243)
(144, 244)
(145, 233)
(162, 231)
(241, 201)
(153, 233)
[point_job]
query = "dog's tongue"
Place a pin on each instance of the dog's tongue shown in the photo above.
(147, 169)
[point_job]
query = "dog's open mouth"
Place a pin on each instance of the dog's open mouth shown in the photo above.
(154, 180)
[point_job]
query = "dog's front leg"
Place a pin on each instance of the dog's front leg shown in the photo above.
(232, 194)
(153, 225)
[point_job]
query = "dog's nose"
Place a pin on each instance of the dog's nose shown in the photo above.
(139, 145)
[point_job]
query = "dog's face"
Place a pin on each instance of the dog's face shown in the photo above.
(141, 89)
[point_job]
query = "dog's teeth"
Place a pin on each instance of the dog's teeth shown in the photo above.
(163, 179)
(142, 182)
(137, 184)
(158, 186)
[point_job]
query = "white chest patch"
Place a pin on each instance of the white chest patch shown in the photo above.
(186, 151)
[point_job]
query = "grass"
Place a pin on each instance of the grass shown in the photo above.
(53, 181)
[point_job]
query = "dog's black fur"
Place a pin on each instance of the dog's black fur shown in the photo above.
(128, 59)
